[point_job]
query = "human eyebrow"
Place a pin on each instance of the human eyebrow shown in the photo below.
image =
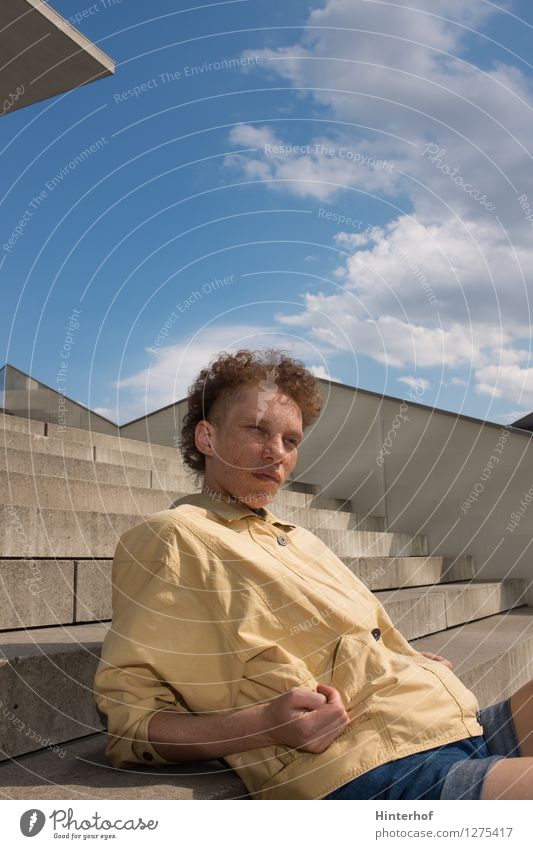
(296, 434)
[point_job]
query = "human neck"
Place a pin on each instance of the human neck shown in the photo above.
(226, 496)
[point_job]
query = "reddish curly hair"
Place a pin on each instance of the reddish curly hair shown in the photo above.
(213, 390)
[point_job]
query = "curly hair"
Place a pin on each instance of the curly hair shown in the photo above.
(213, 390)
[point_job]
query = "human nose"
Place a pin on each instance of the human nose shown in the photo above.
(273, 448)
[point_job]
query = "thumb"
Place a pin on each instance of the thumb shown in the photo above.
(307, 699)
(331, 694)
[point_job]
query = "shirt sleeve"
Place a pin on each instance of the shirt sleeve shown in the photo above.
(168, 648)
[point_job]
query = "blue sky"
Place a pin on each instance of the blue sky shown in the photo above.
(350, 180)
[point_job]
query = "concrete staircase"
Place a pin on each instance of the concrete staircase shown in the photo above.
(66, 498)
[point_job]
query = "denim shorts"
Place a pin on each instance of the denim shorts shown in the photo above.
(453, 771)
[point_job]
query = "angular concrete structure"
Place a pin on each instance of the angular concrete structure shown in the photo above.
(43, 55)
(21, 395)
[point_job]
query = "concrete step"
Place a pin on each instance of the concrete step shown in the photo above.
(46, 680)
(79, 770)
(36, 593)
(383, 573)
(314, 518)
(40, 464)
(104, 440)
(424, 610)
(33, 532)
(35, 443)
(372, 543)
(138, 460)
(308, 488)
(39, 444)
(21, 424)
(492, 656)
(83, 495)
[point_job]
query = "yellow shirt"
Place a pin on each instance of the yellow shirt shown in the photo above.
(216, 607)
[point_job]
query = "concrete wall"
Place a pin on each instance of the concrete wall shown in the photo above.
(162, 427)
(463, 482)
(22, 395)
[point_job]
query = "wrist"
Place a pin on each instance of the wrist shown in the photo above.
(259, 726)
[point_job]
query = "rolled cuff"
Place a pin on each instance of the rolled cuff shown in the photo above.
(136, 748)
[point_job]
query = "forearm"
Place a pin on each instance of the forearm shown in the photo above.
(188, 737)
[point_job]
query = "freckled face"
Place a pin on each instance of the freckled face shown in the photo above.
(253, 451)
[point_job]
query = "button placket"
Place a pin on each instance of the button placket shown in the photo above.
(267, 544)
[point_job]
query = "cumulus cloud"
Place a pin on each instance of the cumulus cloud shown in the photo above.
(320, 168)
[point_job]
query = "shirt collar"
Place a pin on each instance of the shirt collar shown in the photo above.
(228, 508)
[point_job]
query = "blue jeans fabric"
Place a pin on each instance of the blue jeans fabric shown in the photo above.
(453, 771)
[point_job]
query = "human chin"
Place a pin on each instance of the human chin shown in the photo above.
(261, 492)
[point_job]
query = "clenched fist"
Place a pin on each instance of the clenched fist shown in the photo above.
(306, 720)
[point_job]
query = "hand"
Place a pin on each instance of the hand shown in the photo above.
(437, 657)
(306, 720)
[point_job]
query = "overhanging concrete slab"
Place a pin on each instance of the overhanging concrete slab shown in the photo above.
(42, 55)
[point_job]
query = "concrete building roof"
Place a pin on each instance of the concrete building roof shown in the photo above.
(526, 422)
(42, 55)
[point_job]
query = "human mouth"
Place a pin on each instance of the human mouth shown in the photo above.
(264, 477)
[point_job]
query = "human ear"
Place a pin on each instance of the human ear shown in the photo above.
(202, 436)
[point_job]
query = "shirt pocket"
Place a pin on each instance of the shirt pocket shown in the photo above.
(270, 674)
(464, 697)
(358, 670)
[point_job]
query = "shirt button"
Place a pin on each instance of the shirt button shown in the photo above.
(148, 756)
(376, 633)
(282, 539)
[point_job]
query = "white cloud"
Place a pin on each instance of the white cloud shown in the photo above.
(508, 381)
(415, 382)
(454, 270)
(246, 134)
(319, 169)
(321, 371)
(488, 389)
